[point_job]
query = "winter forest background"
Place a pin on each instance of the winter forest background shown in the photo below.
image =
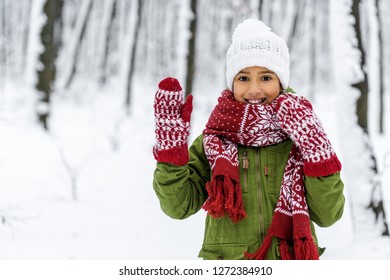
(77, 83)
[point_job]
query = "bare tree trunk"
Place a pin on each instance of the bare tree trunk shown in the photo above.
(260, 10)
(106, 40)
(381, 61)
(324, 62)
(25, 33)
(3, 55)
(362, 85)
(81, 26)
(376, 203)
(132, 56)
(46, 75)
(298, 18)
(313, 50)
(191, 49)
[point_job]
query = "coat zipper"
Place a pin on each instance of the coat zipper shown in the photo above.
(245, 166)
(258, 179)
(245, 160)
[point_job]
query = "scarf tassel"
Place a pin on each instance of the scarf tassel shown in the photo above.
(261, 253)
(214, 204)
(285, 253)
(225, 196)
(305, 249)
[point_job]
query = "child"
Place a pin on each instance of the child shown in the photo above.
(263, 168)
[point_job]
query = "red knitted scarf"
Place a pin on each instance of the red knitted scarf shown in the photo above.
(232, 123)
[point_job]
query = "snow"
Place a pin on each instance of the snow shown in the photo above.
(83, 190)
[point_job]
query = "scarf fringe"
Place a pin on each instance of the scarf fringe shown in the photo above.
(304, 249)
(225, 196)
(285, 254)
(260, 253)
(214, 204)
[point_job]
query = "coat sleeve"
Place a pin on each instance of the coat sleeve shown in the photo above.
(325, 199)
(181, 189)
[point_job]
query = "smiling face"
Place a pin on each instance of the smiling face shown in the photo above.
(256, 85)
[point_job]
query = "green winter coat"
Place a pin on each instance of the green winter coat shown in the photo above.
(181, 191)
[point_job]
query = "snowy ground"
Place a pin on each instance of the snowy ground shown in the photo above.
(116, 214)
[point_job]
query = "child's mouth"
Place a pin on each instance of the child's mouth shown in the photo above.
(256, 101)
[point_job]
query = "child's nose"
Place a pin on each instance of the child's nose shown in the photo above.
(255, 89)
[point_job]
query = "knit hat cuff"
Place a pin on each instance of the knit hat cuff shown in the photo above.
(263, 58)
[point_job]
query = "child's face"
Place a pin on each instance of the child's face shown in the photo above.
(256, 85)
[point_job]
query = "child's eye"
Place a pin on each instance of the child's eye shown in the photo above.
(243, 78)
(266, 78)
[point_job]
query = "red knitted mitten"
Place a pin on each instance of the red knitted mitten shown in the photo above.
(172, 116)
(297, 119)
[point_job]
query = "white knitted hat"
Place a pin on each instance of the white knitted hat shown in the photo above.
(254, 44)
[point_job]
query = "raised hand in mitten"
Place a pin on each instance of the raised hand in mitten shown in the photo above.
(297, 119)
(172, 116)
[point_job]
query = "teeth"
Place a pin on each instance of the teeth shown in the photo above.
(256, 101)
